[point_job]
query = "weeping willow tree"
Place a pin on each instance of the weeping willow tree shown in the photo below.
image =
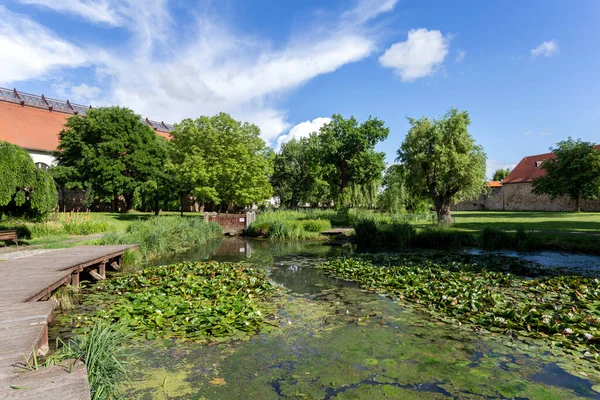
(365, 195)
(24, 189)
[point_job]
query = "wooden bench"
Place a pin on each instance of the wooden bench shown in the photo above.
(9, 236)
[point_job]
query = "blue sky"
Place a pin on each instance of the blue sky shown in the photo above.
(527, 71)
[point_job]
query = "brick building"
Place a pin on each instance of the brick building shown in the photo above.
(34, 123)
(515, 192)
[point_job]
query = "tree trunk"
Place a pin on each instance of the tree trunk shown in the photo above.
(577, 205)
(156, 205)
(442, 207)
(201, 209)
(181, 197)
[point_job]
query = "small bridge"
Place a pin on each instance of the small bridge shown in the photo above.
(231, 223)
(24, 320)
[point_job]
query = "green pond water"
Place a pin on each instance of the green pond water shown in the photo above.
(337, 341)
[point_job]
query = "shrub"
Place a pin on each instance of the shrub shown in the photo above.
(367, 231)
(492, 238)
(316, 225)
(399, 233)
(440, 236)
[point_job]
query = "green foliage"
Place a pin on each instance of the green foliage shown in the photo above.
(574, 172)
(370, 231)
(24, 189)
(442, 161)
(163, 235)
(101, 350)
(291, 225)
(110, 151)
(502, 294)
(298, 173)
(189, 300)
(220, 160)
(348, 149)
(500, 174)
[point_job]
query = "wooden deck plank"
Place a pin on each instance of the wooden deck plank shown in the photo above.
(27, 279)
(22, 328)
(24, 321)
(58, 382)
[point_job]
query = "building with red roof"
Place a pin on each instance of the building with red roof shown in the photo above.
(514, 193)
(34, 122)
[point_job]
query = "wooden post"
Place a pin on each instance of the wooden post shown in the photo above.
(75, 278)
(102, 270)
(206, 217)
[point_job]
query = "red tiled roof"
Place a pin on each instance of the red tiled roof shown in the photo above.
(494, 184)
(34, 122)
(530, 168)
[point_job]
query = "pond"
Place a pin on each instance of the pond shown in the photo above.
(334, 340)
(337, 341)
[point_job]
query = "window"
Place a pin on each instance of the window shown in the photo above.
(42, 166)
(538, 163)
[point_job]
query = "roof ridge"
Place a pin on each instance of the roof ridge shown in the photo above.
(66, 107)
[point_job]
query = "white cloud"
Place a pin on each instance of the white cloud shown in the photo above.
(547, 49)
(418, 56)
(303, 129)
(99, 11)
(167, 74)
(545, 133)
(460, 55)
(369, 9)
(84, 92)
(31, 51)
(494, 165)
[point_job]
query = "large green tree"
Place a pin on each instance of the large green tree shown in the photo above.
(298, 173)
(500, 174)
(573, 172)
(348, 147)
(110, 151)
(222, 161)
(24, 189)
(443, 161)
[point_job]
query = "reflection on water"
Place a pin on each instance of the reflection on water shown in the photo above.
(337, 341)
(579, 263)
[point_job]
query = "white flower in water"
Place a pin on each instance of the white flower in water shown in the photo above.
(444, 297)
(246, 323)
(258, 312)
(568, 331)
(158, 312)
(588, 336)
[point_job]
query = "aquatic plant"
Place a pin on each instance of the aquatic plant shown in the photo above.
(163, 235)
(189, 300)
(500, 294)
(101, 350)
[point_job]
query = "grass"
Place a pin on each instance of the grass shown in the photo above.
(160, 236)
(528, 220)
(100, 349)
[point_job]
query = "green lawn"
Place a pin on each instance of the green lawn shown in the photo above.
(530, 220)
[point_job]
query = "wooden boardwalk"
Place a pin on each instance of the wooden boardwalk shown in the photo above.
(24, 319)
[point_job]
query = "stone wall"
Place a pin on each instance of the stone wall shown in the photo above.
(518, 197)
(488, 202)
